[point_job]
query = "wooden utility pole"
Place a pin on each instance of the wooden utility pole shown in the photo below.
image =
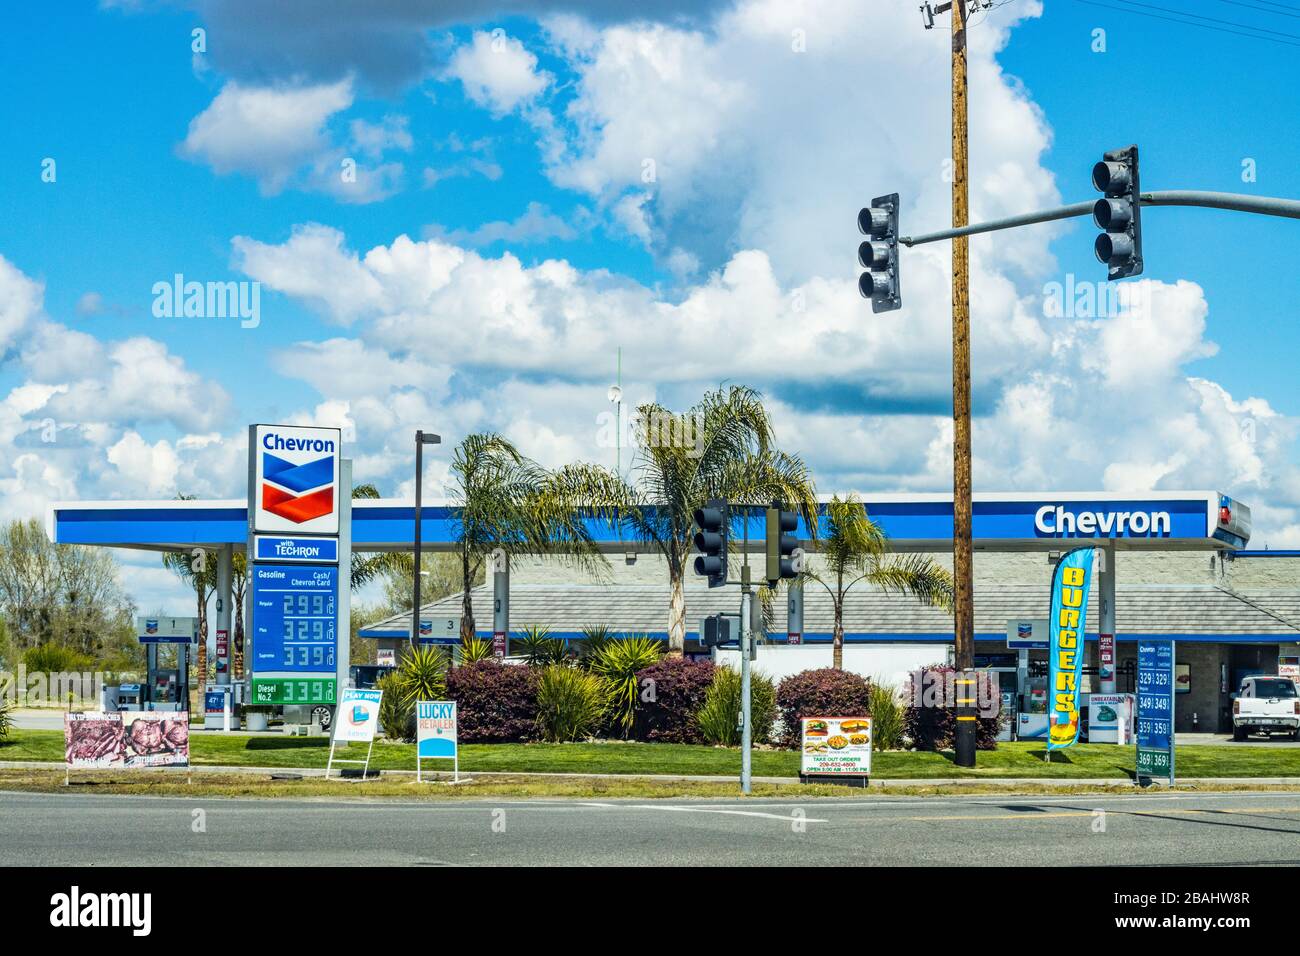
(964, 588)
(961, 483)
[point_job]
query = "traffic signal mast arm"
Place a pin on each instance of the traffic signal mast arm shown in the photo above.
(1239, 202)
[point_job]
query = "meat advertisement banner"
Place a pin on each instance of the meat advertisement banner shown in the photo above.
(130, 739)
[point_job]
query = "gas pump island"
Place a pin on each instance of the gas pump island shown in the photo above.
(296, 608)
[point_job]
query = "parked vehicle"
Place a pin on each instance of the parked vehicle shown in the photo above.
(1266, 705)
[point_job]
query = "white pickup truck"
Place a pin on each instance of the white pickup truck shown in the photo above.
(1266, 705)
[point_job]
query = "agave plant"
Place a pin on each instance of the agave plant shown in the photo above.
(421, 675)
(538, 648)
(396, 716)
(594, 637)
(475, 649)
(617, 664)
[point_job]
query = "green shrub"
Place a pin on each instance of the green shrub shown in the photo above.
(52, 658)
(538, 649)
(930, 708)
(887, 716)
(823, 692)
(396, 715)
(719, 719)
(616, 663)
(571, 703)
(671, 694)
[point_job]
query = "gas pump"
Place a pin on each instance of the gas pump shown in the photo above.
(167, 642)
(1032, 721)
(166, 687)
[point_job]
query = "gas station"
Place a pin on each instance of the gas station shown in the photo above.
(300, 526)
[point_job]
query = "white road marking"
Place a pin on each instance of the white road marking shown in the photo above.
(784, 817)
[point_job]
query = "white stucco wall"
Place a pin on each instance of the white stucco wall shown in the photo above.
(888, 663)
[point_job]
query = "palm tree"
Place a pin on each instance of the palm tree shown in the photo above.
(238, 591)
(198, 570)
(504, 500)
(730, 453)
(856, 549)
(366, 568)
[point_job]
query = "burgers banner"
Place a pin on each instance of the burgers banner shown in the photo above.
(1070, 584)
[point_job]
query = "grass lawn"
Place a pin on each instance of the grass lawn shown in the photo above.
(1021, 759)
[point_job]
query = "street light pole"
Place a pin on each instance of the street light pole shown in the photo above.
(422, 438)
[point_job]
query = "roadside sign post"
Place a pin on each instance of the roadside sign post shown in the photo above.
(355, 722)
(746, 639)
(1155, 711)
(435, 729)
(835, 747)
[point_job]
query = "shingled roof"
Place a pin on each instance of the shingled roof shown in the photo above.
(1187, 612)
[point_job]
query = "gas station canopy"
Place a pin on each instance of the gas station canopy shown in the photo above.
(1016, 521)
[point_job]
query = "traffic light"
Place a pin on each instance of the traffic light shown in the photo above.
(1119, 213)
(711, 541)
(720, 629)
(783, 554)
(878, 254)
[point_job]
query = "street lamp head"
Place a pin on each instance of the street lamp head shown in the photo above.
(428, 438)
(615, 394)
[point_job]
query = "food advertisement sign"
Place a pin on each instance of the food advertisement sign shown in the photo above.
(130, 739)
(835, 746)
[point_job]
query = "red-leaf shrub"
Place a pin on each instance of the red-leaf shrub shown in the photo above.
(820, 693)
(930, 715)
(678, 690)
(495, 702)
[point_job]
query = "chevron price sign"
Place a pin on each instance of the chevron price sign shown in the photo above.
(294, 479)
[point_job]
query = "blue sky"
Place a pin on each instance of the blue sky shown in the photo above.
(510, 145)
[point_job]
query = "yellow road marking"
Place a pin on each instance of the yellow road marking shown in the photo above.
(1089, 813)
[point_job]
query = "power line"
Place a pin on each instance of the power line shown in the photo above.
(1274, 3)
(1197, 16)
(1251, 6)
(1186, 23)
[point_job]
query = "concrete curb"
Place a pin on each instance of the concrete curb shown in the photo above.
(875, 783)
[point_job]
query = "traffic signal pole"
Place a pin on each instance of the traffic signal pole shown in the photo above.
(962, 558)
(1237, 202)
(746, 641)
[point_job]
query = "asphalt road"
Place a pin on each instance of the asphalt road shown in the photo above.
(33, 719)
(85, 829)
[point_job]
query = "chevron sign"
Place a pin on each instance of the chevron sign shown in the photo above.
(293, 478)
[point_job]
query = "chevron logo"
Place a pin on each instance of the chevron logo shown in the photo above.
(285, 488)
